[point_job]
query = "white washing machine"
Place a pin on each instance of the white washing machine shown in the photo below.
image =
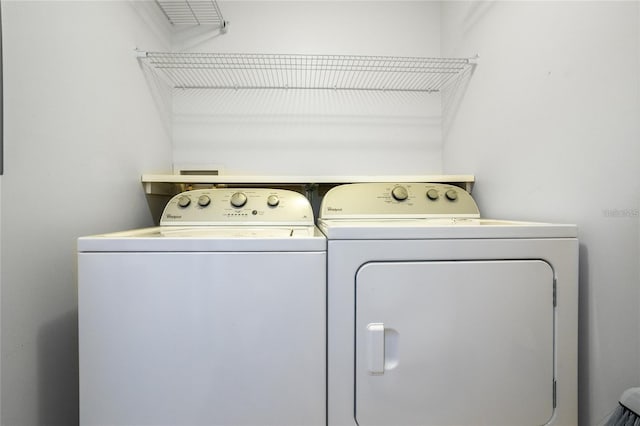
(438, 317)
(216, 317)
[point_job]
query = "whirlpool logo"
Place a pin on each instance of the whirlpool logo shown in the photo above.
(173, 216)
(334, 209)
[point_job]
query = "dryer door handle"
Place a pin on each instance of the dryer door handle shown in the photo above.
(375, 348)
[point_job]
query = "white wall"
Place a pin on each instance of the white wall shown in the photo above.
(314, 132)
(81, 126)
(549, 124)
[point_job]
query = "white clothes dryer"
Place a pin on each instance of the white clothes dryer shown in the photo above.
(216, 317)
(439, 317)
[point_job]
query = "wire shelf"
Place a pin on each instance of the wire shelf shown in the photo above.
(192, 12)
(265, 71)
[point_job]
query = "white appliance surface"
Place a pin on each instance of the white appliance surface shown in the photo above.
(207, 238)
(436, 320)
(216, 321)
(394, 228)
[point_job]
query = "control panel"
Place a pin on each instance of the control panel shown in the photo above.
(226, 206)
(398, 200)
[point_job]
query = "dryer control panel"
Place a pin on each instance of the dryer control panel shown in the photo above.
(238, 206)
(398, 200)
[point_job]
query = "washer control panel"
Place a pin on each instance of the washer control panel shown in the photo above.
(226, 206)
(398, 200)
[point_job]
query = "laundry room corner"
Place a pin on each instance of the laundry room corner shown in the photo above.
(535, 121)
(80, 129)
(550, 128)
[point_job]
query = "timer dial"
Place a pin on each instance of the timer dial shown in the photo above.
(399, 193)
(238, 199)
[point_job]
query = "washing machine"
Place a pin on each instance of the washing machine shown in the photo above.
(215, 317)
(437, 316)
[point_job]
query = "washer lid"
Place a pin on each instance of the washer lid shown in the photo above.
(207, 238)
(453, 228)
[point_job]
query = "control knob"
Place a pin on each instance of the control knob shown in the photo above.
(204, 200)
(451, 195)
(432, 194)
(400, 193)
(273, 200)
(238, 199)
(184, 201)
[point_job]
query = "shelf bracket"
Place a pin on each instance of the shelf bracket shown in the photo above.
(193, 12)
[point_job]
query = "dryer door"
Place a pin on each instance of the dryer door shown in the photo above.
(454, 343)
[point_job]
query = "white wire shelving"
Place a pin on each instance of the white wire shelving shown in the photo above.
(292, 71)
(192, 12)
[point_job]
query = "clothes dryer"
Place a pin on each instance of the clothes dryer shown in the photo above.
(216, 317)
(439, 317)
